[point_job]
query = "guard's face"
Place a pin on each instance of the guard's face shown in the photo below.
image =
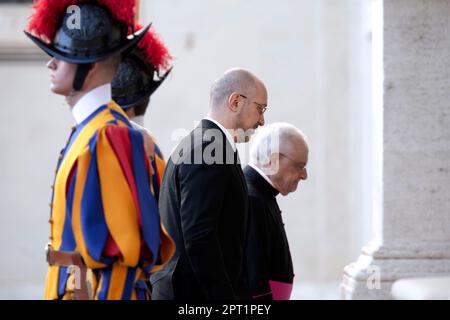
(62, 76)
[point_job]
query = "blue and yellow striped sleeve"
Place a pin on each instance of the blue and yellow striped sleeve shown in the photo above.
(115, 216)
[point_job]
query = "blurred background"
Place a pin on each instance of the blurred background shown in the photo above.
(315, 59)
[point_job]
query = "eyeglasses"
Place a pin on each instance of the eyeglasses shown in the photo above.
(299, 166)
(261, 107)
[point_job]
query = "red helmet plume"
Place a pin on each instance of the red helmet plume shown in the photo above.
(154, 50)
(48, 14)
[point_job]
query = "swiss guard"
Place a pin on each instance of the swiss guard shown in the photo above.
(105, 231)
(140, 74)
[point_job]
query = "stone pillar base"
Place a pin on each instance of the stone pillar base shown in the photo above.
(372, 276)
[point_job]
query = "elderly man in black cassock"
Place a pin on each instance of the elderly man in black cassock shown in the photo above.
(279, 156)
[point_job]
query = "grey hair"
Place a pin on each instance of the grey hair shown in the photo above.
(270, 138)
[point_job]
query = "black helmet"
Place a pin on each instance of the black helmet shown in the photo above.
(139, 74)
(102, 31)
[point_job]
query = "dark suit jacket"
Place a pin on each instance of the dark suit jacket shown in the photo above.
(268, 254)
(204, 208)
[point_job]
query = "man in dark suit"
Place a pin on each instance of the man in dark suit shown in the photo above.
(279, 156)
(203, 199)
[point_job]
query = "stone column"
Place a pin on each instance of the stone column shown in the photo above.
(411, 112)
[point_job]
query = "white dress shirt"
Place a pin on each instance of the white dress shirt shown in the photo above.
(138, 120)
(225, 131)
(91, 101)
(139, 125)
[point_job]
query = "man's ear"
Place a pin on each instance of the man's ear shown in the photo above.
(273, 164)
(234, 101)
(93, 70)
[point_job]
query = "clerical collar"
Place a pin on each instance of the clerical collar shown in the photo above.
(255, 176)
(262, 174)
(91, 101)
(225, 131)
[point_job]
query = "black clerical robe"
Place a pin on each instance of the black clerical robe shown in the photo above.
(269, 262)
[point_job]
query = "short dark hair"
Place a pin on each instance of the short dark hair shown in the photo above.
(141, 107)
